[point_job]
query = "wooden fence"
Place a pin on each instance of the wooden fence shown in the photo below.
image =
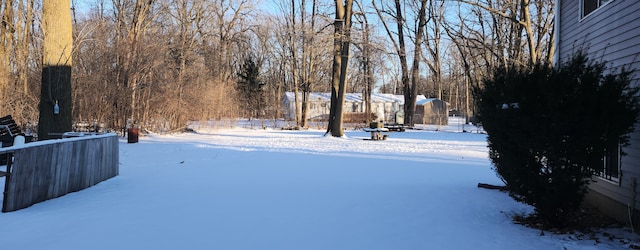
(48, 169)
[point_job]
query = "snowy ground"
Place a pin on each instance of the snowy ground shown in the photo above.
(273, 189)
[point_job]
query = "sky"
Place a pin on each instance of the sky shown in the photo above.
(254, 188)
(85, 5)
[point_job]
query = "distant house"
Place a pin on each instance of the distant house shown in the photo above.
(607, 30)
(386, 107)
(432, 111)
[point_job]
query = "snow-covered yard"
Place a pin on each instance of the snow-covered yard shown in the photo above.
(273, 189)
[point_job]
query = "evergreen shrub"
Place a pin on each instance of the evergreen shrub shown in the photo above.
(549, 127)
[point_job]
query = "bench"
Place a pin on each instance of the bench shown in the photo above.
(376, 133)
(9, 129)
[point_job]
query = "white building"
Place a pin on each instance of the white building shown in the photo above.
(384, 106)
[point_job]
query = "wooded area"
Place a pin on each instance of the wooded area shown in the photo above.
(157, 64)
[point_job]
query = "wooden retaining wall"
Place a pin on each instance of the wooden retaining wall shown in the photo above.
(48, 169)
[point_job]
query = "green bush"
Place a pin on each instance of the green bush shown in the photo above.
(548, 129)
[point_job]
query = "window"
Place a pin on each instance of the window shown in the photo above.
(611, 164)
(589, 6)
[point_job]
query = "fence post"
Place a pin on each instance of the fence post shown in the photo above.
(7, 180)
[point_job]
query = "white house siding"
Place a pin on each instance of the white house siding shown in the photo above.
(384, 106)
(611, 34)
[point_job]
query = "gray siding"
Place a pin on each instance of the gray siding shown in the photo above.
(610, 34)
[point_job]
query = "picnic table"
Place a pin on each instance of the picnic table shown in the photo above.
(376, 133)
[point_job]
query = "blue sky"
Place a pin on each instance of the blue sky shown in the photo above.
(82, 5)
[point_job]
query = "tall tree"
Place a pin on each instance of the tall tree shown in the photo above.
(466, 55)
(250, 87)
(308, 60)
(20, 60)
(295, 73)
(132, 27)
(432, 43)
(6, 37)
(301, 52)
(341, 43)
(189, 16)
(366, 64)
(409, 84)
(411, 91)
(55, 92)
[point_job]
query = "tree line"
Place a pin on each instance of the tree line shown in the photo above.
(157, 64)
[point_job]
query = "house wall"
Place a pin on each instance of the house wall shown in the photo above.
(318, 109)
(384, 108)
(610, 34)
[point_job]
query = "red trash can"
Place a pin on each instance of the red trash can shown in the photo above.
(132, 135)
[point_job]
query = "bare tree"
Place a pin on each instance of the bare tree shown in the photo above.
(479, 43)
(222, 53)
(295, 68)
(189, 17)
(309, 61)
(409, 88)
(91, 92)
(229, 22)
(366, 46)
(132, 22)
(6, 38)
(20, 60)
(519, 12)
(303, 41)
(268, 46)
(433, 36)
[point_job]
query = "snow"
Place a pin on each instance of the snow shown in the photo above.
(272, 189)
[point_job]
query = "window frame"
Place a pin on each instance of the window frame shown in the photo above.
(606, 173)
(599, 4)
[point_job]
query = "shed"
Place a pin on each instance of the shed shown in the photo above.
(432, 111)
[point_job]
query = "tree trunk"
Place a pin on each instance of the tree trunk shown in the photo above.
(411, 91)
(368, 72)
(308, 60)
(408, 112)
(432, 43)
(366, 63)
(409, 88)
(294, 67)
(342, 34)
(55, 93)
